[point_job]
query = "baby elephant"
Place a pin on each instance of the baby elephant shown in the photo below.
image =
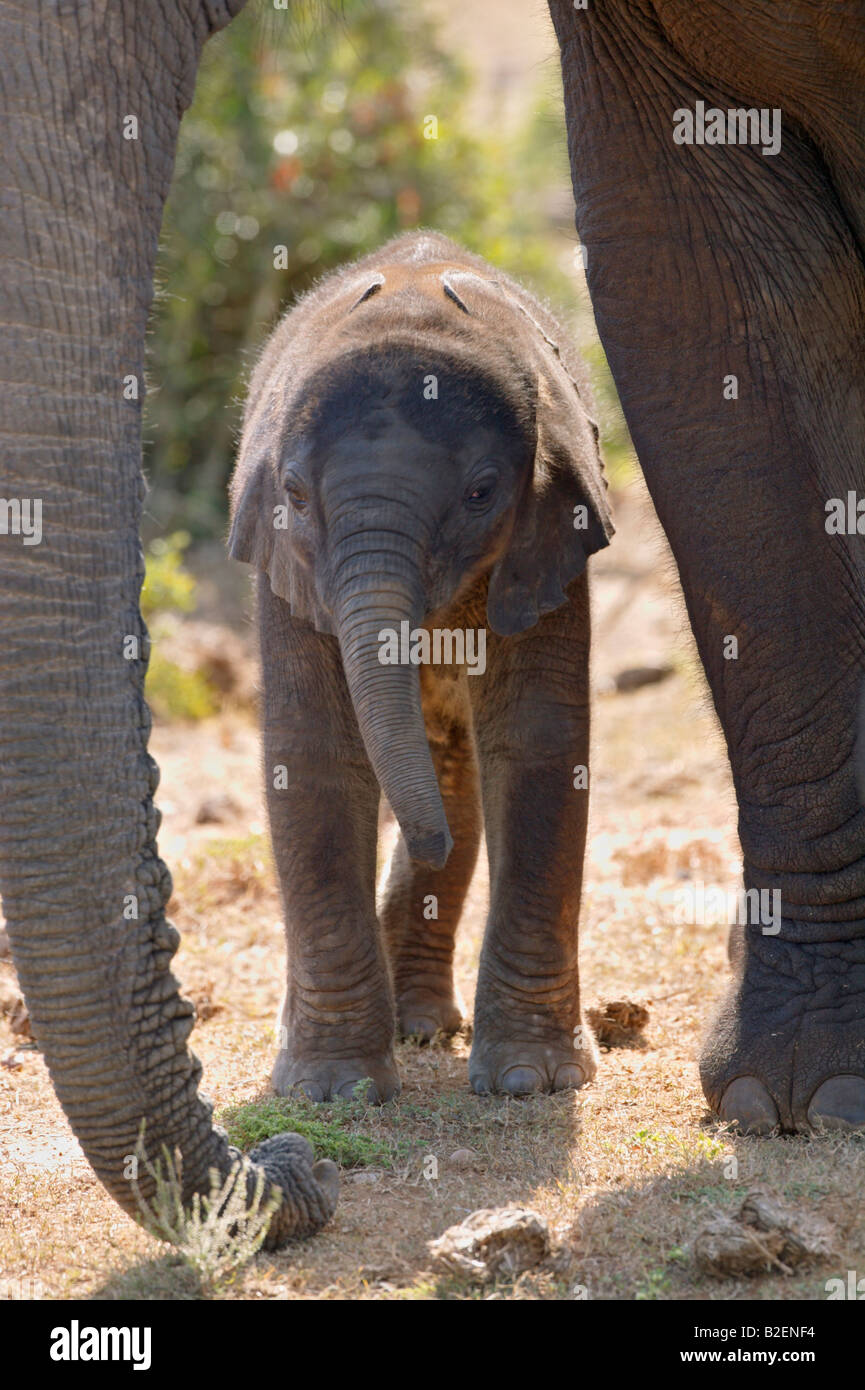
(419, 487)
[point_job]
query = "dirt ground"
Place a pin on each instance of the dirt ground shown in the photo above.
(625, 1171)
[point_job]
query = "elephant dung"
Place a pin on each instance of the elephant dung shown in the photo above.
(806, 1235)
(766, 1234)
(617, 1022)
(492, 1243)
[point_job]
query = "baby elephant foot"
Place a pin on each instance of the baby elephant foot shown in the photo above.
(373, 1079)
(518, 1062)
(421, 1014)
(787, 1049)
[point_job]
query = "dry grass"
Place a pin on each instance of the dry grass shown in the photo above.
(624, 1171)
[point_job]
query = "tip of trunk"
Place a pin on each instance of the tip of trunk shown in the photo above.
(429, 846)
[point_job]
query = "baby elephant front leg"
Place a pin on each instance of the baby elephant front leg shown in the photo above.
(337, 1020)
(532, 727)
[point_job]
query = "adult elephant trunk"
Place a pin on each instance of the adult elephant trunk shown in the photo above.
(90, 103)
(387, 702)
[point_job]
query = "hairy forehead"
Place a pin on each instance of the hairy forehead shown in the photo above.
(389, 433)
(441, 400)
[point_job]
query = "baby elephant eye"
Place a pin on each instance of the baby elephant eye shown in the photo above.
(478, 493)
(295, 491)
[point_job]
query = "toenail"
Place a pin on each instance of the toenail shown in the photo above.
(348, 1088)
(838, 1103)
(311, 1090)
(421, 1027)
(570, 1076)
(747, 1104)
(521, 1081)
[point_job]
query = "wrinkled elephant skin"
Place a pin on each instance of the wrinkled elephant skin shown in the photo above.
(729, 291)
(84, 891)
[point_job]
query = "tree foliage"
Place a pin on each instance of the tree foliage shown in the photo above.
(324, 138)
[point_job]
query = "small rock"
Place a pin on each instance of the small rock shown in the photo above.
(617, 1022)
(464, 1158)
(492, 1242)
(217, 809)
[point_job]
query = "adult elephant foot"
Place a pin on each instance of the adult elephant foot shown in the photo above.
(421, 1014)
(371, 1077)
(787, 1049)
(511, 1060)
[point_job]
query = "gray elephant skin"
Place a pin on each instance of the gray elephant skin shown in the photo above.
(704, 261)
(416, 456)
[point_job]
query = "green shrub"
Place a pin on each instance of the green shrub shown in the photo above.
(215, 1234)
(172, 691)
(328, 1128)
(167, 587)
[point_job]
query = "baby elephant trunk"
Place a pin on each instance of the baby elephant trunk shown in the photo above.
(387, 702)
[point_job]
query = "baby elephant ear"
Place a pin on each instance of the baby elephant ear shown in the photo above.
(259, 537)
(563, 517)
(250, 538)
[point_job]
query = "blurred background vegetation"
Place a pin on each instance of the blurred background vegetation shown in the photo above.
(307, 132)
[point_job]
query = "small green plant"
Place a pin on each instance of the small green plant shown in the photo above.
(656, 1282)
(214, 1234)
(702, 1145)
(326, 1128)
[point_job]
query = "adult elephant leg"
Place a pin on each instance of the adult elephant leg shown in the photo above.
(337, 1021)
(84, 892)
(531, 712)
(421, 906)
(729, 294)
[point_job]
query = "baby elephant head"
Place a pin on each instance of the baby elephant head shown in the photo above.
(408, 432)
